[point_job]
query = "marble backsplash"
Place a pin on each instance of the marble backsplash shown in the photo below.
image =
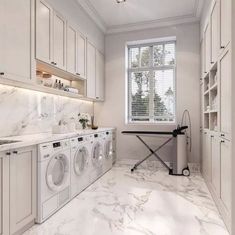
(24, 111)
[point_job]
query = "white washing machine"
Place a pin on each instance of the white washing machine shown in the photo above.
(53, 178)
(80, 163)
(108, 151)
(97, 157)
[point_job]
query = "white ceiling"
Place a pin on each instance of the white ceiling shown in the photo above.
(137, 14)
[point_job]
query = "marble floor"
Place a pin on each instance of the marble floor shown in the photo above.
(147, 202)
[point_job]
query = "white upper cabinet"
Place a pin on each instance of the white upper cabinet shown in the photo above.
(91, 71)
(59, 41)
(71, 49)
(225, 97)
(207, 37)
(50, 36)
(44, 23)
(16, 39)
(81, 55)
(99, 76)
(215, 32)
(225, 23)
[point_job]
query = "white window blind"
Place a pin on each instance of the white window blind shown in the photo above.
(151, 82)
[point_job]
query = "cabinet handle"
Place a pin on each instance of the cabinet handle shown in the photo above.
(212, 62)
(15, 152)
(212, 136)
(222, 47)
(2, 73)
(78, 74)
(222, 141)
(222, 135)
(52, 62)
(8, 153)
(97, 98)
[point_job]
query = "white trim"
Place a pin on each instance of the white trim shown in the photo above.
(191, 18)
(91, 11)
(153, 24)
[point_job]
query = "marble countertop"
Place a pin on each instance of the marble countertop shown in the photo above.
(29, 140)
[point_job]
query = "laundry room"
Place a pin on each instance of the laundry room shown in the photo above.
(117, 117)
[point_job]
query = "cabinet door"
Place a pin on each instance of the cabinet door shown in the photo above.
(99, 76)
(59, 41)
(71, 49)
(81, 55)
(91, 71)
(225, 174)
(225, 22)
(207, 49)
(16, 33)
(225, 102)
(4, 195)
(22, 188)
(44, 18)
(215, 164)
(206, 161)
(215, 32)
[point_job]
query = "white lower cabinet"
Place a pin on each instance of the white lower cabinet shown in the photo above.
(4, 196)
(215, 163)
(206, 169)
(19, 177)
(216, 169)
(225, 159)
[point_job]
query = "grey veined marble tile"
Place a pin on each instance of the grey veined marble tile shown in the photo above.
(147, 202)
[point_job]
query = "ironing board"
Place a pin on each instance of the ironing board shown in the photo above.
(170, 135)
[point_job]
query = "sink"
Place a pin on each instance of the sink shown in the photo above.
(2, 142)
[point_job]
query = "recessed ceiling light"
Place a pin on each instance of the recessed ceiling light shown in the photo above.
(120, 1)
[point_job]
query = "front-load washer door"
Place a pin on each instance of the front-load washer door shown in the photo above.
(108, 149)
(57, 172)
(97, 155)
(81, 161)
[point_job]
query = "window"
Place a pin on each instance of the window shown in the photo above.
(151, 82)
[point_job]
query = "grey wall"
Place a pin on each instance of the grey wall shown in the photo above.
(112, 111)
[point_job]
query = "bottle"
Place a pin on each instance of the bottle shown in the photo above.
(55, 84)
(59, 86)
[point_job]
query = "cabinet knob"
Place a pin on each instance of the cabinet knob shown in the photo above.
(97, 98)
(15, 152)
(222, 141)
(222, 135)
(78, 74)
(212, 136)
(55, 63)
(52, 62)
(222, 47)
(2, 73)
(212, 62)
(8, 153)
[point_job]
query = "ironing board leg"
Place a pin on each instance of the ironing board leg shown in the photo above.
(153, 152)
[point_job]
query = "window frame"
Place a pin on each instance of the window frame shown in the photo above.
(151, 69)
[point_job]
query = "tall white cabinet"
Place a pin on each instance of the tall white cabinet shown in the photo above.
(16, 39)
(216, 106)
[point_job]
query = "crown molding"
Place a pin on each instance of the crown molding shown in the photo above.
(166, 22)
(153, 24)
(91, 11)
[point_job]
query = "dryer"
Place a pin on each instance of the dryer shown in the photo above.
(97, 157)
(108, 151)
(53, 178)
(80, 163)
